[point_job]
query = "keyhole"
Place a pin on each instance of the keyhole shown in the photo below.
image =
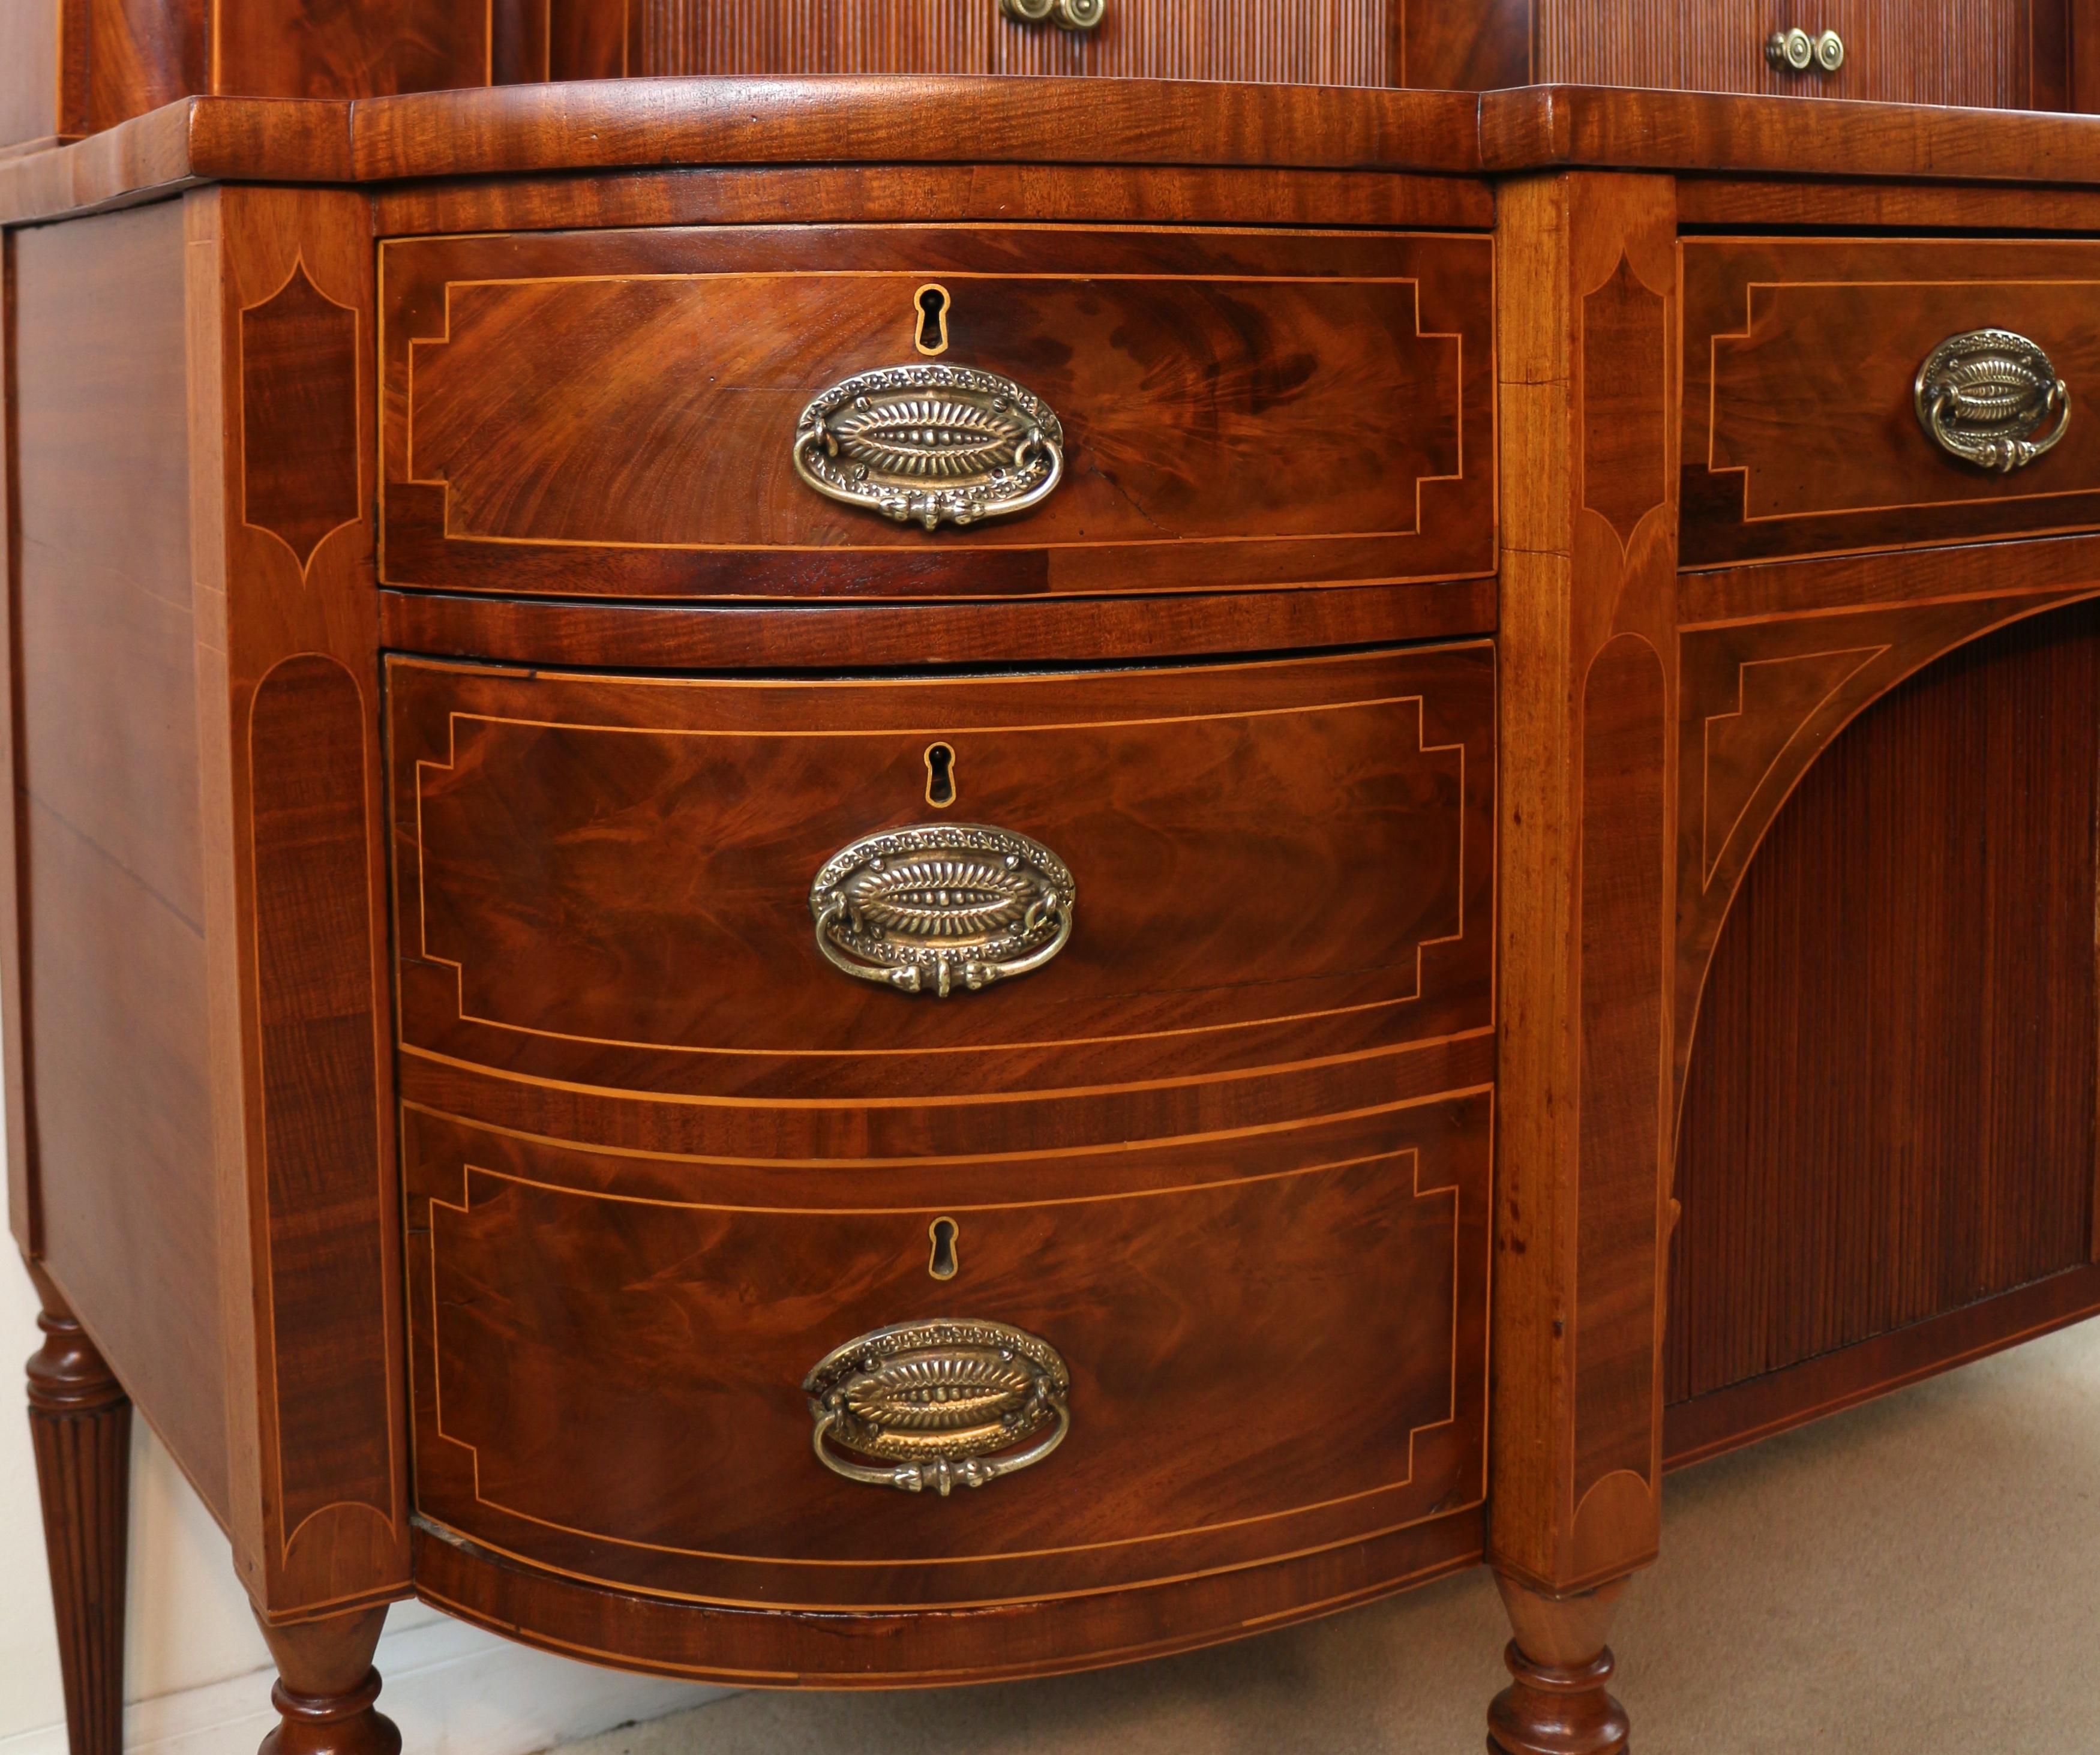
(943, 1262)
(931, 334)
(940, 776)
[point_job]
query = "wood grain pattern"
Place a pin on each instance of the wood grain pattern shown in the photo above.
(1588, 669)
(633, 125)
(1618, 1237)
(312, 49)
(1311, 43)
(319, 1012)
(1559, 125)
(925, 194)
(294, 856)
(326, 1687)
(299, 379)
(1890, 1104)
(113, 970)
(836, 1650)
(714, 636)
(609, 1352)
(1211, 387)
(1800, 357)
(1274, 861)
(1469, 46)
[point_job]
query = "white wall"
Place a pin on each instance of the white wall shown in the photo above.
(196, 1668)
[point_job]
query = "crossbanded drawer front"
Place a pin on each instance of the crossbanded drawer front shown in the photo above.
(1271, 1346)
(615, 413)
(1803, 428)
(606, 883)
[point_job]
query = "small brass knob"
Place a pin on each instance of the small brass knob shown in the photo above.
(1066, 15)
(1795, 51)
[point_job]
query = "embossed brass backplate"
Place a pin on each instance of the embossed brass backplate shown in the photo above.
(942, 1401)
(1983, 396)
(934, 442)
(939, 906)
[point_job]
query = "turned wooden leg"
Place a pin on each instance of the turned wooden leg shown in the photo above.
(1557, 1704)
(80, 1425)
(325, 1688)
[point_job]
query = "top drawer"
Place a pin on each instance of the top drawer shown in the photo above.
(1802, 426)
(615, 413)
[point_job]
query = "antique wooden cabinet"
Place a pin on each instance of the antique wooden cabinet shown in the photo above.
(940, 888)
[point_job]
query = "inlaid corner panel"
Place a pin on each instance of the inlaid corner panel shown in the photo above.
(1802, 428)
(1013, 410)
(607, 883)
(609, 1352)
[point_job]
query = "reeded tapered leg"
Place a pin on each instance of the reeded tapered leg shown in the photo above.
(80, 1425)
(325, 1688)
(1557, 1704)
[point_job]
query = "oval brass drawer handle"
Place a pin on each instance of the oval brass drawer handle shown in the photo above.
(1066, 15)
(939, 905)
(1983, 395)
(938, 443)
(939, 1402)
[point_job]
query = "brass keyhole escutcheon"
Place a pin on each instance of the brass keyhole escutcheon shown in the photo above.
(940, 775)
(944, 1262)
(930, 332)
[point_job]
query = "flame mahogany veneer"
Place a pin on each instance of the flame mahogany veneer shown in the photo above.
(433, 692)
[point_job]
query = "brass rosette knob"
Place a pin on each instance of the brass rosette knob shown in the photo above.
(1985, 395)
(938, 1404)
(931, 442)
(1066, 15)
(942, 907)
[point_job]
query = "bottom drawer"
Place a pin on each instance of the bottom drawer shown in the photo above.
(1273, 1343)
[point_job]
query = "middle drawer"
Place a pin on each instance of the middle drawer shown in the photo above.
(665, 885)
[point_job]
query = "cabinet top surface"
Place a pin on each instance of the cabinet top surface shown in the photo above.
(639, 124)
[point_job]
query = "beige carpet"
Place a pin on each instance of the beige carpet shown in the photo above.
(1919, 1576)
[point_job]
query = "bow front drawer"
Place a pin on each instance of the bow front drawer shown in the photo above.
(917, 887)
(664, 1374)
(1843, 394)
(907, 412)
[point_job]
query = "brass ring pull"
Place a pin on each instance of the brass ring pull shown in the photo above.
(1982, 395)
(1066, 15)
(933, 442)
(939, 1402)
(942, 905)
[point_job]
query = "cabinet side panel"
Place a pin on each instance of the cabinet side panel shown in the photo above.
(114, 973)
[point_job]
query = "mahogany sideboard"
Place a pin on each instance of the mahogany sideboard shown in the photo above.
(888, 880)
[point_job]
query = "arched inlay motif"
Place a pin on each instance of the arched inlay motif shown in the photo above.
(325, 1170)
